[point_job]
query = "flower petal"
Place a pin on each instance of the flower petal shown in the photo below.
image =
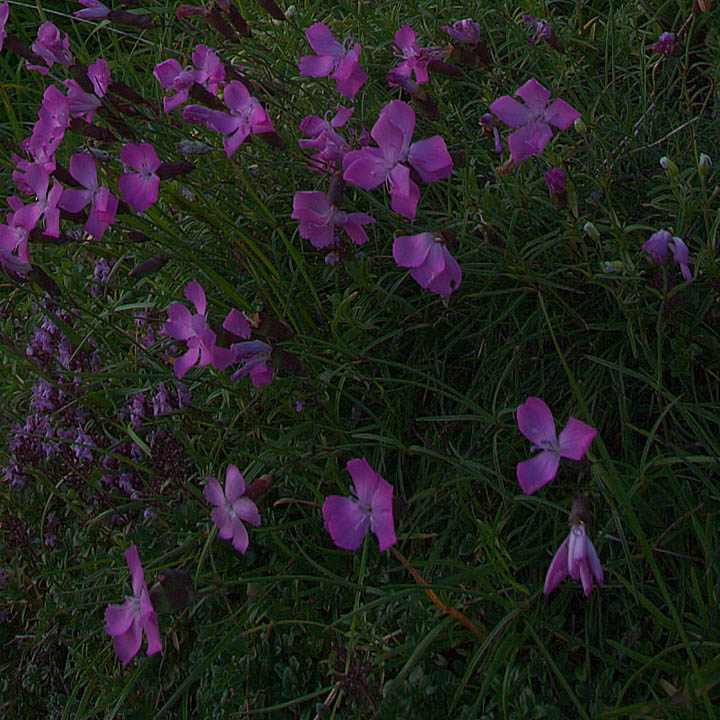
(575, 439)
(346, 521)
(213, 492)
(536, 422)
(535, 95)
(221, 517)
(196, 295)
(136, 571)
(529, 140)
(410, 251)
(322, 41)
(430, 157)
(247, 511)
(558, 569)
(240, 539)
(538, 471)
(560, 114)
(366, 168)
(128, 644)
(317, 65)
(234, 483)
(152, 632)
(510, 111)
(118, 618)
(405, 205)
(183, 363)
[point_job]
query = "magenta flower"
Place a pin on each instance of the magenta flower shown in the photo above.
(370, 167)
(231, 509)
(103, 204)
(665, 44)
(255, 356)
(414, 60)
(126, 623)
(536, 423)
(99, 74)
(51, 47)
(331, 146)
(543, 29)
(208, 72)
(4, 12)
(348, 518)
(46, 204)
(533, 118)
(555, 180)
(79, 102)
(247, 116)
(140, 189)
(576, 557)
(14, 238)
(333, 59)
(430, 262)
(318, 218)
(95, 10)
(657, 245)
(194, 329)
(464, 31)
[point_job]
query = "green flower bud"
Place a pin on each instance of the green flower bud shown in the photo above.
(580, 126)
(669, 166)
(704, 164)
(591, 230)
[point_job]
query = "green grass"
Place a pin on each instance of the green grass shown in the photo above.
(425, 388)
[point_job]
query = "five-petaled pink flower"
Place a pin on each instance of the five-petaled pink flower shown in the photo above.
(536, 423)
(577, 558)
(533, 119)
(466, 31)
(46, 204)
(125, 623)
(414, 59)
(194, 329)
(348, 518)
(659, 243)
(247, 116)
(99, 75)
(370, 167)
(324, 137)
(430, 262)
(231, 509)
(140, 190)
(103, 204)
(333, 59)
(318, 218)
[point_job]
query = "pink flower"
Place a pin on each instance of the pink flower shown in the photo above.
(536, 423)
(46, 204)
(194, 329)
(4, 12)
(318, 218)
(348, 518)
(430, 262)
(665, 44)
(99, 74)
(79, 102)
(14, 238)
(95, 11)
(333, 59)
(140, 190)
(255, 355)
(208, 72)
(370, 167)
(127, 622)
(533, 118)
(543, 29)
(247, 116)
(231, 508)
(331, 145)
(465, 31)
(103, 204)
(576, 557)
(657, 245)
(414, 60)
(51, 47)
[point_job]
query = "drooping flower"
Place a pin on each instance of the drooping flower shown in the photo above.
(657, 246)
(231, 509)
(465, 31)
(324, 138)
(95, 10)
(247, 115)
(536, 423)
(103, 204)
(126, 623)
(194, 329)
(543, 29)
(46, 204)
(533, 119)
(369, 167)
(333, 59)
(577, 558)
(318, 218)
(348, 518)
(665, 44)
(140, 189)
(80, 102)
(430, 262)
(489, 124)
(51, 47)
(254, 355)
(99, 75)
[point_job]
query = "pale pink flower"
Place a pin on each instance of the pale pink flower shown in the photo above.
(430, 262)
(577, 558)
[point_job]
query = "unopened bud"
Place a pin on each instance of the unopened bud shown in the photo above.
(669, 166)
(290, 12)
(613, 266)
(580, 511)
(580, 126)
(704, 164)
(590, 230)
